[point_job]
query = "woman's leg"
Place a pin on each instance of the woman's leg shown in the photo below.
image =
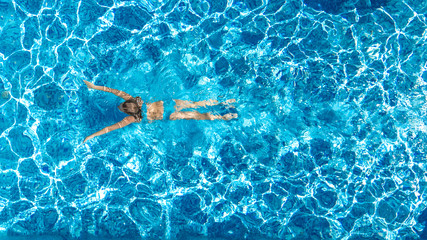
(182, 104)
(194, 115)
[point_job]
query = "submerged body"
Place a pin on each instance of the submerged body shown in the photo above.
(155, 111)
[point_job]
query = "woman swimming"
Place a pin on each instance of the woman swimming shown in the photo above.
(132, 106)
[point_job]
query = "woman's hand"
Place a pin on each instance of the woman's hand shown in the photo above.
(87, 138)
(89, 84)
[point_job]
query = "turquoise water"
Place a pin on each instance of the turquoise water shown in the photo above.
(329, 142)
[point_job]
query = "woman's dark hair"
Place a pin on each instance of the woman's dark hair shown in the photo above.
(131, 108)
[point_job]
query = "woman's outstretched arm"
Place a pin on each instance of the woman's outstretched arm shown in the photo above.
(126, 121)
(116, 92)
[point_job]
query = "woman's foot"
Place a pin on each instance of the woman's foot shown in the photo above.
(230, 101)
(229, 116)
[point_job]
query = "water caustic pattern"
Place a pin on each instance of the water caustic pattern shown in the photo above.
(329, 142)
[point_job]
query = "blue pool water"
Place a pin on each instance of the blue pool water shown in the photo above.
(329, 142)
